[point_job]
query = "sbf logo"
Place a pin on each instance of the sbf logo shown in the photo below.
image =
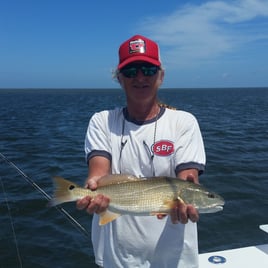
(137, 46)
(163, 148)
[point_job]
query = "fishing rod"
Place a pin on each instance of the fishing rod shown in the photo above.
(12, 224)
(47, 196)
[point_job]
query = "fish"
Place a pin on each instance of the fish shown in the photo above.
(130, 195)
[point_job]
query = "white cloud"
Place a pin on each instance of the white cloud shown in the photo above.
(198, 33)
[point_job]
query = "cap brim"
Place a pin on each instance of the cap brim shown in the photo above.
(138, 58)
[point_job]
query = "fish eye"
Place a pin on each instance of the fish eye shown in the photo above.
(211, 195)
(71, 187)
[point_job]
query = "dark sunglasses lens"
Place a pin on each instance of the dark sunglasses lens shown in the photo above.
(149, 70)
(129, 72)
(132, 71)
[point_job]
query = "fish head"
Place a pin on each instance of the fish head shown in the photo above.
(211, 202)
(205, 201)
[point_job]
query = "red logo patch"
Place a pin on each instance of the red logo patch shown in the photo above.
(163, 148)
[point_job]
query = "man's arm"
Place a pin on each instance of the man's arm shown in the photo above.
(98, 167)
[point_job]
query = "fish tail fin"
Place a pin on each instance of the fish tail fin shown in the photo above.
(63, 192)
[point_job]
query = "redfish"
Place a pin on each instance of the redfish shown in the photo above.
(140, 196)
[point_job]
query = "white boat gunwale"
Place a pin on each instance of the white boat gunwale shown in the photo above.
(246, 257)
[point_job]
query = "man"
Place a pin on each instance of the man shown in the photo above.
(144, 139)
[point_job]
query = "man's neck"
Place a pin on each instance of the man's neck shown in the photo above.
(143, 113)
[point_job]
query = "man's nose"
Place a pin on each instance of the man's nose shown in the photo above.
(140, 74)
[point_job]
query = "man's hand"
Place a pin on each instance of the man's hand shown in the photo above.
(182, 212)
(97, 204)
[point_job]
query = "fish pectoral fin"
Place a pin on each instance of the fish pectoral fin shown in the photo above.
(107, 216)
(178, 199)
(172, 203)
(167, 206)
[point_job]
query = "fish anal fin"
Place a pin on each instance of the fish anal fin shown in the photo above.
(107, 216)
(165, 208)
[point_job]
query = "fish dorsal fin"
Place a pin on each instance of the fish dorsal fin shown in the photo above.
(107, 216)
(115, 179)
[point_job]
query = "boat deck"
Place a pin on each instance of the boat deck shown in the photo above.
(247, 257)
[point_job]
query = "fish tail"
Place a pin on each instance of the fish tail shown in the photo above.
(63, 192)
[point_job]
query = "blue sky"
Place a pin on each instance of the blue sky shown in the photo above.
(74, 43)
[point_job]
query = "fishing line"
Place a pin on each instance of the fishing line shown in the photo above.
(11, 223)
(73, 221)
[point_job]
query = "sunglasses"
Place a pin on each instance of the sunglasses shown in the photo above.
(131, 71)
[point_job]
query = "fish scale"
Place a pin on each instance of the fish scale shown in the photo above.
(140, 196)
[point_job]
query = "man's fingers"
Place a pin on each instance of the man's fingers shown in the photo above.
(161, 216)
(83, 203)
(102, 203)
(182, 212)
(98, 204)
(92, 184)
(192, 213)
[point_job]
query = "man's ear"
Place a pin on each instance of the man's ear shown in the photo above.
(118, 78)
(162, 75)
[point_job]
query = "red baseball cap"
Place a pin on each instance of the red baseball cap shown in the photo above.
(138, 48)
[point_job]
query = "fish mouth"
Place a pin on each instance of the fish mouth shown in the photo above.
(211, 209)
(219, 208)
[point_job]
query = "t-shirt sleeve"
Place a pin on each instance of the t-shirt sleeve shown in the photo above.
(97, 140)
(190, 152)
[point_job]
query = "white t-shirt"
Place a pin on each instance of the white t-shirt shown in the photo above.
(159, 147)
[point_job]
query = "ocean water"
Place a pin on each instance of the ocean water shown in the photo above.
(42, 133)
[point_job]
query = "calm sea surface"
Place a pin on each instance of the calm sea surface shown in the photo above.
(42, 133)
